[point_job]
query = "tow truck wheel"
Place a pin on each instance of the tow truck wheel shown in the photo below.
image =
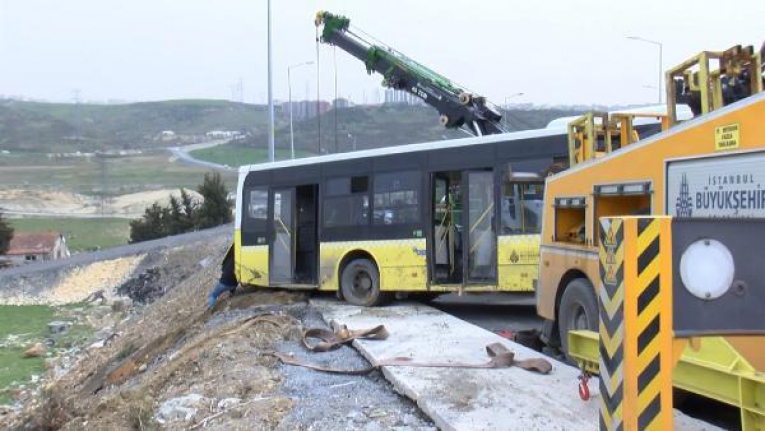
(578, 310)
(444, 120)
(465, 98)
(360, 284)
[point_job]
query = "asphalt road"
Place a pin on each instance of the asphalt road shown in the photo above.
(182, 153)
(493, 311)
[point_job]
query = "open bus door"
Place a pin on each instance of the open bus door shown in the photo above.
(463, 228)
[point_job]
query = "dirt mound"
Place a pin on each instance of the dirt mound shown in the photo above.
(135, 203)
(45, 201)
(68, 203)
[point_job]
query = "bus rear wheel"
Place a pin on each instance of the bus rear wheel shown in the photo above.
(360, 284)
(578, 310)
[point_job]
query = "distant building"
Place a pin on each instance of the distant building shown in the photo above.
(28, 247)
(342, 103)
(402, 97)
(305, 109)
(222, 134)
(167, 135)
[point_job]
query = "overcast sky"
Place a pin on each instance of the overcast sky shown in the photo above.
(554, 51)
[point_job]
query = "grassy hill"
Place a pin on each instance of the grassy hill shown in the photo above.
(65, 127)
(384, 125)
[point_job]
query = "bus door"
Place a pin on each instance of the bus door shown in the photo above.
(282, 238)
(252, 263)
(446, 252)
(480, 255)
(463, 228)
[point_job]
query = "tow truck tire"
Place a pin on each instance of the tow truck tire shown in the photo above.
(578, 310)
(360, 284)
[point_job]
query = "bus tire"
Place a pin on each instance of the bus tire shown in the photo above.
(360, 284)
(578, 310)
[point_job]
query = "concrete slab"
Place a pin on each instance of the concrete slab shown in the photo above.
(472, 399)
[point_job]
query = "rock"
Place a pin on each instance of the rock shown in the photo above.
(58, 327)
(118, 305)
(357, 417)
(227, 403)
(409, 419)
(142, 368)
(376, 413)
(180, 409)
(35, 351)
(373, 426)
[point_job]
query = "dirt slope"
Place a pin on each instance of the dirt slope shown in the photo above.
(173, 364)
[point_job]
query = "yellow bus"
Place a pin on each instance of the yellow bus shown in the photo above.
(461, 215)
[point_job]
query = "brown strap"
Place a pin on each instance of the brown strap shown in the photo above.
(500, 357)
(289, 359)
(340, 334)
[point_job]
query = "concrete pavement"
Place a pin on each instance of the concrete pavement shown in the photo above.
(472, 399)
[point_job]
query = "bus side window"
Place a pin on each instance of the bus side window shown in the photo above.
(346, 201)
(522, 204)
(257, 203)
(396, 198)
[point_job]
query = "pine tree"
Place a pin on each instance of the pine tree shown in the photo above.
(216, 208)
(182, 214)
(152, 225)
(6, 234)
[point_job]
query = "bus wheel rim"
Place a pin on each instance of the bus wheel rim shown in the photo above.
(578, 318)
(362, 283)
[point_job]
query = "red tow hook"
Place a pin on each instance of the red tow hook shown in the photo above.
(584, 390)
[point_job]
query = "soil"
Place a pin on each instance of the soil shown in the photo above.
(68, 203)
(174, 348)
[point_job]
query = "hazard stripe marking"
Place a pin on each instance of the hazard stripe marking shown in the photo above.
(611, 324)
(647, 366)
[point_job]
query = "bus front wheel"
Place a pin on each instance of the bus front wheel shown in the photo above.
(360, 284)
(578, 310)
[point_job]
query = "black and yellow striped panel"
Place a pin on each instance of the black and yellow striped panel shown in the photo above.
(611, 324)
(648, 325)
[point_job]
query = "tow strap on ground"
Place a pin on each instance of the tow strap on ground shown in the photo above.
(340, 334)
(499, 355)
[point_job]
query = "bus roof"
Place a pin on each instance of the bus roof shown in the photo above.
(407, 148)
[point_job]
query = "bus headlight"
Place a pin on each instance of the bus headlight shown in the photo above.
(707, 269)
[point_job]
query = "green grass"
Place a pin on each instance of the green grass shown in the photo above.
(30, 321)
(82, 234)
(30, 324)
(119, 175)
(238, 156)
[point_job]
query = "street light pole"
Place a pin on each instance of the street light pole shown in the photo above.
(661, 59)
(507, 105)
(271, 145)
(289, 84)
